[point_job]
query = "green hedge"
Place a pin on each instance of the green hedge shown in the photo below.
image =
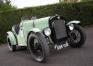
(72, 11)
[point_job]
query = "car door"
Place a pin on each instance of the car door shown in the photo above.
(20, 36)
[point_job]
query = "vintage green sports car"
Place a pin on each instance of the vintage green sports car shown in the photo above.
(38, 34)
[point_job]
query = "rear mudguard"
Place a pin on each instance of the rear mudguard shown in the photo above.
(11, 37)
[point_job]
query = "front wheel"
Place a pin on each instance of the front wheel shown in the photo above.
(77, 36)
(38, 47)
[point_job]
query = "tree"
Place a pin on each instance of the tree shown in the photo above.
(60, 1)
(87, 0)
(72, 0)
(5, 5)
(1, 2)
(69, 1)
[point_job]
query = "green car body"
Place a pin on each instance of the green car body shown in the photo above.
(27, 26)
(38, 35)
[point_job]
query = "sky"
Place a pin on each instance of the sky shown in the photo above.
(31, 3)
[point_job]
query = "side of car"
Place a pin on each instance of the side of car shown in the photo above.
(37, 34)
(20, 32)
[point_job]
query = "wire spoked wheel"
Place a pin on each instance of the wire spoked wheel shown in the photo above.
(77, 36)
(38, 47)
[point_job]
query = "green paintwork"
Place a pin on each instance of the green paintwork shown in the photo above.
(42, 23)
(11, 37)
(26, 26)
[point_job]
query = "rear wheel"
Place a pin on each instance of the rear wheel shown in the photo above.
(10, 46)
(38, 47)
(77, 36)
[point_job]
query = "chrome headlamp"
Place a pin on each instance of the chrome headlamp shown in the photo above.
(71, 26)
(47, 31)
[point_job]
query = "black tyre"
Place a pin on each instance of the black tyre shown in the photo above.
(77, 36)
(38, 47)
(10, 46)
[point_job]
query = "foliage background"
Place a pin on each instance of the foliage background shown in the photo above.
(71, 11)
(5, 5)
(86, 0)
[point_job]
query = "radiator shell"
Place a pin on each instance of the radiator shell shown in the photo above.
(60, 29)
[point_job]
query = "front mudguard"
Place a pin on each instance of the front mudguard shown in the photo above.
(34, 30)
(12, 38)
(71, 24)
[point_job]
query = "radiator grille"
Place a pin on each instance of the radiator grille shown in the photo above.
(60, 29)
